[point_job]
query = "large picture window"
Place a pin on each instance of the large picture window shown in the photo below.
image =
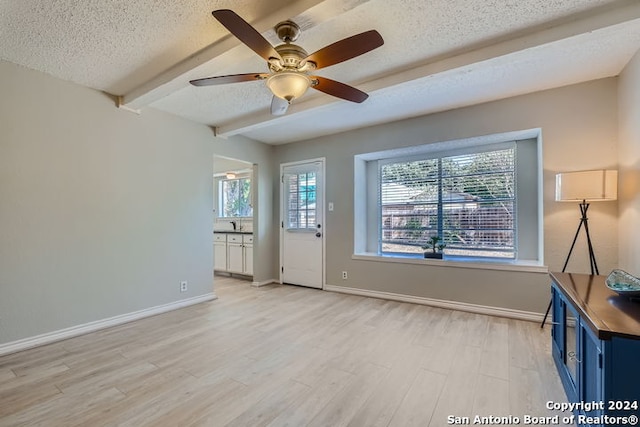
(482, 196)
(235, 198)
(468, 200)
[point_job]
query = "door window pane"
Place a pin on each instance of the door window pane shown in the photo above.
(301, 201)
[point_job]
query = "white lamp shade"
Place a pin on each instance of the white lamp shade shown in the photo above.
(591, 185)
(288, 85)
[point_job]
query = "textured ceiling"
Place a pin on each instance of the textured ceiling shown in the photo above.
(438, 54)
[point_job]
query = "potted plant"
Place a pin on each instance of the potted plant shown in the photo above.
(433, 248)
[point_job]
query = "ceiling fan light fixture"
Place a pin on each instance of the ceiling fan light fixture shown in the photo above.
(288, 85)
(290, 65)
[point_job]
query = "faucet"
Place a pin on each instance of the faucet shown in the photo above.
(234, 225)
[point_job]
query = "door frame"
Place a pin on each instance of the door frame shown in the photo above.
(322, 161)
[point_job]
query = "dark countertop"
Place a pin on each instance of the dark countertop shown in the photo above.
(233, 232)
(607, 313)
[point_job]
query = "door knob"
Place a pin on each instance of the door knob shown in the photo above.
(318, 234)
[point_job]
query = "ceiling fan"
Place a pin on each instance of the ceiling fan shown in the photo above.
(289, 64)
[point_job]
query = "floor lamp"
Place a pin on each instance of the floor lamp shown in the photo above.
(585, 187)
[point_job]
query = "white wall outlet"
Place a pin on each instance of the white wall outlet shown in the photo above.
(183, 286)
(344, 275)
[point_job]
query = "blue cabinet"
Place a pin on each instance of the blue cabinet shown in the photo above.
(596, 348)
(591, 362)
(577, 354)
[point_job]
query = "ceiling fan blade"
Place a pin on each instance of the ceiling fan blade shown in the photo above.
(246, 33)
(233, 78)
(346, 49)
(279, 106)
(339, 90)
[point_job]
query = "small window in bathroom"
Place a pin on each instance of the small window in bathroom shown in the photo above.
(234, 197)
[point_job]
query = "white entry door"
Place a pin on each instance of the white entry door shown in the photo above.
(302, 232)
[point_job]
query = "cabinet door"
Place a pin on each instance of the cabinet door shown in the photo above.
(591, 363)
(557, 325)
(248, 259)
(572, 348)
(220, 256)
(234, 257)
(564, 343)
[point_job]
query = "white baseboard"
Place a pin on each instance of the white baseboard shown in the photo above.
(50, 337)
(264, 283)
(452, 305)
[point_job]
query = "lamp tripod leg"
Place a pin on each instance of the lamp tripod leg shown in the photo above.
(592, 256)
(573, 244)
(546, 314)
(584, 206)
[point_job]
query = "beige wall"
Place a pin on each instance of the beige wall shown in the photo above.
(629, 177)
(102, 212)
(579, 130)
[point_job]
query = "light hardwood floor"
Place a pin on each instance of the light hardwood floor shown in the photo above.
(285, 356)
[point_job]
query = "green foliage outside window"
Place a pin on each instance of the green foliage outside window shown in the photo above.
(235, 198)
(467, 201)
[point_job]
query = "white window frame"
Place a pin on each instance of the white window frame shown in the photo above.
(309, 211)
(442, 204)
(529, 206)
(220, 195)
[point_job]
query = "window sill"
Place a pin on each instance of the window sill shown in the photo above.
(523, 266)
(233, 218)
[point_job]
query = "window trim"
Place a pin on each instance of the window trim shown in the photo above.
(310, 227)
(511, 265)
(439, 155)
(219, 195)
(529, 208)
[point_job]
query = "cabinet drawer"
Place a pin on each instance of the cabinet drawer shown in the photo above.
(234, 238)
(219, 237)
(248, 239)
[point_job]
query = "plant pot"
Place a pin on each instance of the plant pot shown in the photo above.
(433, 255)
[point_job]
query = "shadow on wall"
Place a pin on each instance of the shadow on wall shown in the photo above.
(629, 218)
(629, 182)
